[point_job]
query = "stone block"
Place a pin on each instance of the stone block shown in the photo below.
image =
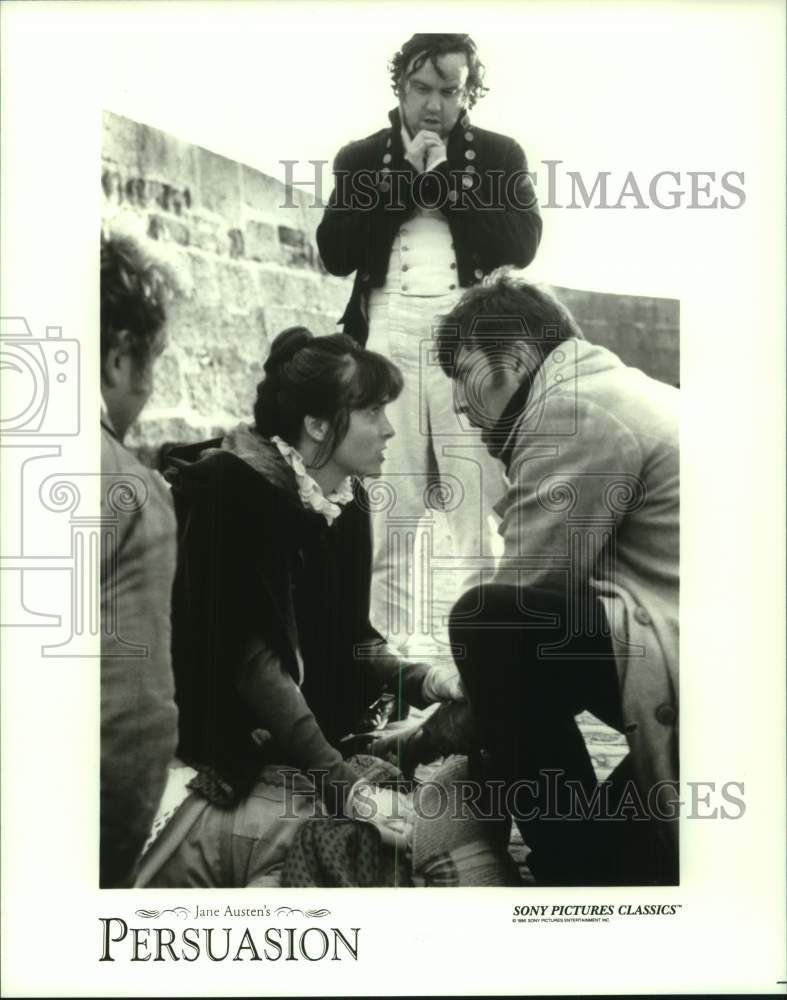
(167, 159)
(261, 192)
(261, 241)
(209, 234)
(172, 199)
(219, 185)
(168, 389)
(278, 318)
(173, 230)
(205, 275)
(335, 293)
(112, 182)
(288, 287)
(238, 287)
(295, 250)
(237, 243)
(226, 383)
(120, 141)
(203, 329)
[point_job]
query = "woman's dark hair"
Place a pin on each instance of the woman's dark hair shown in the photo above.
(503, 307)
(324, 377)
(133, 296)
(432, 47)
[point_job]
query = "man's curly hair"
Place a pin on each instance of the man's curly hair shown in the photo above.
(134, 292)
(432, 47)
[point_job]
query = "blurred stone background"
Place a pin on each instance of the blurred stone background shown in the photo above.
(246, 252)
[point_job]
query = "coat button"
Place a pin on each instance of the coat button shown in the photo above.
(452, 265)
(478, 273)
(469, 136)
(405, 249)
(641, 615)
(388, 142)
(469, 154)
(405, 267)
(451, 287)
(404, 288)
(387, 158)
(452, 196)
(665, 714)
(467, 182)
(403, 231)
(470, 169)
(385, 186)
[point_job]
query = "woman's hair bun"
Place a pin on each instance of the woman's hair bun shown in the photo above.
(285, 346)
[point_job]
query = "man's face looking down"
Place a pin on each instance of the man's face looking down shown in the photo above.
(433, 99)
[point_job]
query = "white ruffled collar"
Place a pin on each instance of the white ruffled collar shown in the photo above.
(248, 445)
(309, 489)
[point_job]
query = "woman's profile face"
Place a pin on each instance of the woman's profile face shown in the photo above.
(361, 451)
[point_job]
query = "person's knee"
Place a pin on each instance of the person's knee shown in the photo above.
(483, 606)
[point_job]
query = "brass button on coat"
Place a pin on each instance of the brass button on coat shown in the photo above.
(665, 714)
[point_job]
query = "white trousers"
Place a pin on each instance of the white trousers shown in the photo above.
(436, 470)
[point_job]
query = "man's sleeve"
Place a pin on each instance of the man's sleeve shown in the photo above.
(343, 234)
(567, 498)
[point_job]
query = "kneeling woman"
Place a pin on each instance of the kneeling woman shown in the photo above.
(273, 653)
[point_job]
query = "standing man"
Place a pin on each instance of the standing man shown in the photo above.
(138, 715)
(421, 210)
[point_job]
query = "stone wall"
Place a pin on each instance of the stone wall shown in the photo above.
(249, 267)
(247, 255)
(644, 332)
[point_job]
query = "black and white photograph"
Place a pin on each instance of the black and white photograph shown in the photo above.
(392, 475)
